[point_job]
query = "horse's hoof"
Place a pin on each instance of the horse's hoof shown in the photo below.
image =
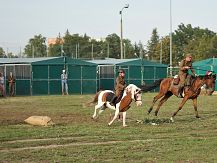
(124, 125)
(197, 116)
(171, 119)
(156, 114)
(149, 111)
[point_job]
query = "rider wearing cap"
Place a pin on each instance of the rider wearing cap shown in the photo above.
(185, 65)
(208, 73)
(120, 85)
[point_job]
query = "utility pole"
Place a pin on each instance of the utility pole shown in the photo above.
(126, 6)
(33, 51)
(171, 62)
(161, 51)
(92, 52)
(61, 48)
(20, 53)
(76, 51)
(108, 50)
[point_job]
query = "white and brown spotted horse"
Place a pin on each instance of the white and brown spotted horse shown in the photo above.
(103, 98)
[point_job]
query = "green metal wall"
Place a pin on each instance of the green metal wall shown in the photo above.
(139, 74)
(46, 79)
(82, 79)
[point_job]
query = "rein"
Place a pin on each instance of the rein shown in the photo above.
(195, 91)
(136, 98)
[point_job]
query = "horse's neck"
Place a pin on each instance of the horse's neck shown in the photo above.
(197, 83)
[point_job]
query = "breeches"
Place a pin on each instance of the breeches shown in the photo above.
(185, 79)
(118, 93)
(182, 79)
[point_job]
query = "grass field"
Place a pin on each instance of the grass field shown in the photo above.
(77, 138)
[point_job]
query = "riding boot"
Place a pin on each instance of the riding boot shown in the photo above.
(187, 88)
(180, 90)
(113, 100)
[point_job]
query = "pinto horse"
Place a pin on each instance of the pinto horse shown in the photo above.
(103, 98)
(167, 90)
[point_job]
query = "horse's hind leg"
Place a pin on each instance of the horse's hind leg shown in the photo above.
(195, 107)
(163, 100)
(160, 94)
(95, 115)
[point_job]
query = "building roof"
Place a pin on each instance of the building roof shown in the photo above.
(128, 62)
(23, 60)
(46, 61)
(142, 62)
(72, 61)
(109, 61)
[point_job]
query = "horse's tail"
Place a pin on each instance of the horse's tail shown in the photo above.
(95, 100)
(146, 88)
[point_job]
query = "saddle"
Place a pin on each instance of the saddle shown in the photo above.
(176, 80)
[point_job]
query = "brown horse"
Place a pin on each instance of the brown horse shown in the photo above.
(167, 90)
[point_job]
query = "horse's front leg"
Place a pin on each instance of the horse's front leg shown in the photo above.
(179, 108)
(115, 116)
(195, 107)
(154, 101)
(124, 119)
(163, 100)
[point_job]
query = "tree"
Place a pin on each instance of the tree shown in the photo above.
(2, 52)
(114, 45)
(36, 47)
(152, 45)
(195, 40)
(128, 49)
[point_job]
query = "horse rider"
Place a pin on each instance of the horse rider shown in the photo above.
(11, 81)
(185, 65)
(120, 85)
(2, 84)
(208, 73)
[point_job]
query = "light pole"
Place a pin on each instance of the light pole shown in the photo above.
(171, 62)
(126, 6)
(161, 51)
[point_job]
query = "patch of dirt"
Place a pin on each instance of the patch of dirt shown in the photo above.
(72, 144)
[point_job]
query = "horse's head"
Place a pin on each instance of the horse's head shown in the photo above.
(136, 93)
(209, 82)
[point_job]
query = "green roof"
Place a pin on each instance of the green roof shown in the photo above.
(139, 62)
(206, 62)
(79, 62)
(50, 61)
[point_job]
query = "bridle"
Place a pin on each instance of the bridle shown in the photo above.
(135, 98)
(202, 83)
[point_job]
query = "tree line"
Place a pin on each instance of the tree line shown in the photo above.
(201, 43)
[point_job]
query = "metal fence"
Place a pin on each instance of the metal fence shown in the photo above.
(22, 75)
(133, 75)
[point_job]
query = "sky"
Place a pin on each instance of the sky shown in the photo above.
(20, 20)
